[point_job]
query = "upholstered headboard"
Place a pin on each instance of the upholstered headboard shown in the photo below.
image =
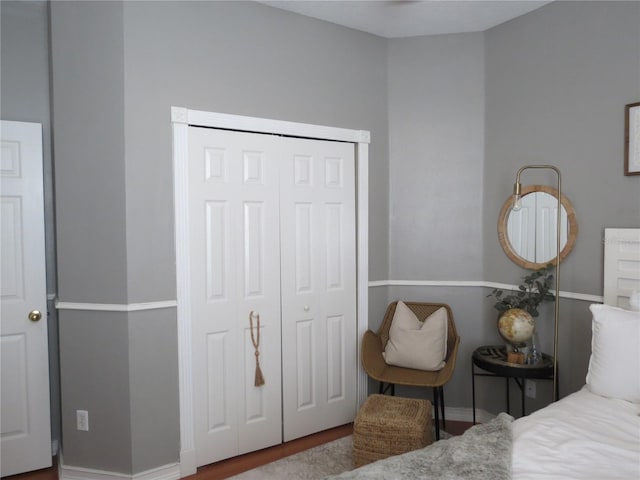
(621, 265)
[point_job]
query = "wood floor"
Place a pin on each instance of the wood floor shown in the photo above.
(242, 463)
(233, 466)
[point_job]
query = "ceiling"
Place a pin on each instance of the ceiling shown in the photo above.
(409, 18)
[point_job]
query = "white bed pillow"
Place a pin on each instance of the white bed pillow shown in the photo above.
(614, 366)
(416, 344)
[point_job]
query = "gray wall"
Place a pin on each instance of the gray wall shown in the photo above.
(117, 70)
(94, 363)
(119, 366)
(436, 157)
(557, 82)
(24, 96)
(436, 164)
(465, 112)
(88, 114)
(246, 59)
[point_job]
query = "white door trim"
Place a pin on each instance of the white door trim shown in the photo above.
(181, 119)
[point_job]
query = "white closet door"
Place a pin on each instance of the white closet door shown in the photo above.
(235, 265)
(318, 240)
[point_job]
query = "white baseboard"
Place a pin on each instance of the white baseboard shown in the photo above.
(167, 472)
(466, 415)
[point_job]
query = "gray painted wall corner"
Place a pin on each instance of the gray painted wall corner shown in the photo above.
(153, 383)
(436, 161)
(88, 115)
(94, 365)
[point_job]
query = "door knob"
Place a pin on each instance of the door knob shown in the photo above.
(306, 308)
(35, 315)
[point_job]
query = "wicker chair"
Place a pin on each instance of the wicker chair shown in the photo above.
(373, 344)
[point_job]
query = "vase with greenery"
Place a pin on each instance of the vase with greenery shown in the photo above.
(516, 323)
(534, 289)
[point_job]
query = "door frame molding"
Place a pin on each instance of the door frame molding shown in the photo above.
(181, 119)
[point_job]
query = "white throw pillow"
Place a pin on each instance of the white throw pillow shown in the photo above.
(614, 366)
(416, 344)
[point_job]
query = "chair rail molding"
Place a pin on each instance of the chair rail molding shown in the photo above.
(114, 307)
(587, 297)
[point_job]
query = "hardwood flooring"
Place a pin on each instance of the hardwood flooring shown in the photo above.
(242, 463)
(236, 465)
(50, 473)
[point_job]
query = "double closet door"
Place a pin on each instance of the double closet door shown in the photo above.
(272, 229)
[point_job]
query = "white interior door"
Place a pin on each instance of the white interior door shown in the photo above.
(318, 228)
(25, 416)
(521, 228)
(547, 226)
(235, 269)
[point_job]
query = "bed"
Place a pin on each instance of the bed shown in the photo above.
(592, 434)
(583, 436)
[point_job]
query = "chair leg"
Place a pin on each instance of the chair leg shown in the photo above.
(444, 423)
(382, 389)
(435, 412)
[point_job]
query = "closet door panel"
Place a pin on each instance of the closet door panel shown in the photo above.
(303, 247)
(218, 415)
(317, 195)
(336, 365)
(234, 268)
(305, 378)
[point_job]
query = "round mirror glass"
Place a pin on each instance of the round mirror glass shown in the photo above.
(528, 235)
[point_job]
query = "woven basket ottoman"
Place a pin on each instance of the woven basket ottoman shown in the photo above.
(386, 426)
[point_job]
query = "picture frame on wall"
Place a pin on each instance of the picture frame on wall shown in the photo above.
(632, 139)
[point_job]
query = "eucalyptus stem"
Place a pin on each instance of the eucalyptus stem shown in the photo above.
(534, 289)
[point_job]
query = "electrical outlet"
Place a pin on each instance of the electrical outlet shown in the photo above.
(530, 389)
(82, 420)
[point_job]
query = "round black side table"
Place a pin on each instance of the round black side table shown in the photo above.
(493, 359)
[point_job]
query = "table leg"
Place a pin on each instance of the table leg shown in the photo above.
(508, 403)
(444, 422)
(435, 412)
(473, 392)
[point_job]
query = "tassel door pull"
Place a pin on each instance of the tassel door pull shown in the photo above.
(255, 339)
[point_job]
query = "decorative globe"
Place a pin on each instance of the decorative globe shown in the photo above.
(516, 326)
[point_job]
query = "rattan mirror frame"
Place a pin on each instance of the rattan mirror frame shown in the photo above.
(502, 228)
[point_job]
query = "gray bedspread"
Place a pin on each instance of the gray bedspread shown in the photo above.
(482, 453)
